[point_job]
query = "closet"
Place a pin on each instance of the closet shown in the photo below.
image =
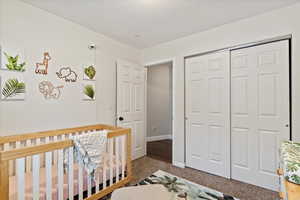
(237, 108)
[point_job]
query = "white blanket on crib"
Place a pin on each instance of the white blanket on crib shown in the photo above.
(89, 149)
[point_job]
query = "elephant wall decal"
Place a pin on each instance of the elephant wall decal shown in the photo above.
(67, 74)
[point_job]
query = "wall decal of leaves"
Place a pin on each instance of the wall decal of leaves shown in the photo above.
(13, 87)
(89, 72)
(12, 63)
(89, 91)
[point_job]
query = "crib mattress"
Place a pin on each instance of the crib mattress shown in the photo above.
(29, 180)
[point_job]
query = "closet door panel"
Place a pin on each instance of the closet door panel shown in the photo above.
(260, 110)
(207, 113)
(241, 112)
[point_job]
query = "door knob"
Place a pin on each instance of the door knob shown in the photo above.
(287, 125)
(121, 118)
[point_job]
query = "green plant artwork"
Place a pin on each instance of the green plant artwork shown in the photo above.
(13, 63)
(90, 72)
(89, 91)
(13, 87)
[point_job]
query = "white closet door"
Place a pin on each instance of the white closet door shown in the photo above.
(130, 104)
(207, 113)
(260, 111)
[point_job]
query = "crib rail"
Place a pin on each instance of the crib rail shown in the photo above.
(52, 133)
(119, 147)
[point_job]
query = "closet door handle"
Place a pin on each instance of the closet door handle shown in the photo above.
(121, 118)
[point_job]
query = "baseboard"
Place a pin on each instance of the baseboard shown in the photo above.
(159, 137)
(179, 164)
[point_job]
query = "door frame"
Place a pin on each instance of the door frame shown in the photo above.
(146, 65)
(241, 46)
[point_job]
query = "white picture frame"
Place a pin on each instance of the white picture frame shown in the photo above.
(11, 52)
(5, 77)
(85, 76)
(92, 85)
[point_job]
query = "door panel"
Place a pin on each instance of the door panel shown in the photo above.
(260, 111)
(130, 104)
(207, 113)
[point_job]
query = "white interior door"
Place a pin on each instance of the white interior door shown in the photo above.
(260, 111)
(208, 113)
(131, 104)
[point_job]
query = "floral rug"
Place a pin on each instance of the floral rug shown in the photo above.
(184, 189)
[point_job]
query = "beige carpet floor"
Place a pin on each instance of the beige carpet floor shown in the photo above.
(145, 166)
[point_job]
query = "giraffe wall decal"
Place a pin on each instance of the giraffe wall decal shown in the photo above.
(42, 68)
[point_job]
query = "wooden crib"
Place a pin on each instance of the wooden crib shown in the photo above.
(32, 165)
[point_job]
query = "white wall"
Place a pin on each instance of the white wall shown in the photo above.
(159, 100)
(276, 23)
(35, 31)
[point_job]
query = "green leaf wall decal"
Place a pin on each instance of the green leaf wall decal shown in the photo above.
(13, 87)
(90, 71)
(89, 91)
(13, 63)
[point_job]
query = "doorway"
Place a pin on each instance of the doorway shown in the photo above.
(159, 111)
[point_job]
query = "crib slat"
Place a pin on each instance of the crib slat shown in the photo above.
(18, 144)
(47, 139)
(97, 181)
(111, 171)
(28, 158)
(54, 152)
(104, 172)
(80, 184)
(70, 173)
(36, 176)
(60, 175)
(48, 175)
(89, 183)
(117, 158)
(20, 173)
(37, 141)
(123, 156)
(6, 146)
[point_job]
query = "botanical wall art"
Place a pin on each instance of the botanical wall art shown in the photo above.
(42, 68)
(89, 91)
(13, 63)
(67, 74)
(49, 91)
(12, 59)
(89, 72)
(13, 88)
